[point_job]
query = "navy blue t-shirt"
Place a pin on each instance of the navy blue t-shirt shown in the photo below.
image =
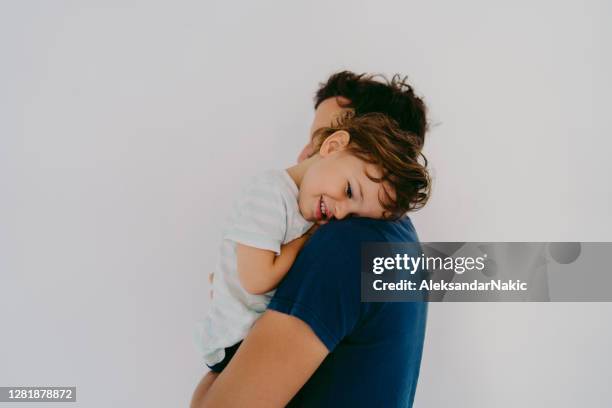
(375, 348)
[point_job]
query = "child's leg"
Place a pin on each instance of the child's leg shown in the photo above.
(202, 388)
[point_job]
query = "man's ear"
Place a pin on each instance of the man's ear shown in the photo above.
(335, 142)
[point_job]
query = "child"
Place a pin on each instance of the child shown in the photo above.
(364, 166)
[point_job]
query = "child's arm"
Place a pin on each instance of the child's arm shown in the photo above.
(260, 270)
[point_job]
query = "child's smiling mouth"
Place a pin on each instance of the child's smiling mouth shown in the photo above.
(322, 212)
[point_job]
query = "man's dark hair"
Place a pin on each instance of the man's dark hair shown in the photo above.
(394, 98)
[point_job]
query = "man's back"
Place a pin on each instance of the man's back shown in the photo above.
(375, 348)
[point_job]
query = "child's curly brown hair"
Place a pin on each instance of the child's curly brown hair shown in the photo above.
(375, 138)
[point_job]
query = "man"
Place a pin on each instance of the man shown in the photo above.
(317, 344)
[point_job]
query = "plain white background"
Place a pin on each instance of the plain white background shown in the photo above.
(126, 129)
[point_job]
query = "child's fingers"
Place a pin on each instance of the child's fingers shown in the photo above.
(312, 229)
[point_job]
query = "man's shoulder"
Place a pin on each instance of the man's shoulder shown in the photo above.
(357, 230)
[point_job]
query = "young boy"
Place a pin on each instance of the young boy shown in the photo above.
(363, 166)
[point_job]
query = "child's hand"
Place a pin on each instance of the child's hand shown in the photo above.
(312, 230)
(296, 245)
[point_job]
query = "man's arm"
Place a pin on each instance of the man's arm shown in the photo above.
(275, 360)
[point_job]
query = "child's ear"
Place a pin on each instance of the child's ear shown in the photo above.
(335, 142)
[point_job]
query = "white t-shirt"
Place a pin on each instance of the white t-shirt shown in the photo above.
(265, 216)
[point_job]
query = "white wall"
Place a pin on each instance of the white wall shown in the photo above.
(125, 131)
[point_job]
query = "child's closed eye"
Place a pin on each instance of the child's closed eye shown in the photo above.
(349, 191)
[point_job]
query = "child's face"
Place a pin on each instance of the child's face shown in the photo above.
(337, 186)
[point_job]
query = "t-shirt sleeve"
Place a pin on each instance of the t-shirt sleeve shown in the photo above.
(323, 286)
(260, 217)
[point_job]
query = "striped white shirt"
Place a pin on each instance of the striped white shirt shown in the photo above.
(266, 216)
